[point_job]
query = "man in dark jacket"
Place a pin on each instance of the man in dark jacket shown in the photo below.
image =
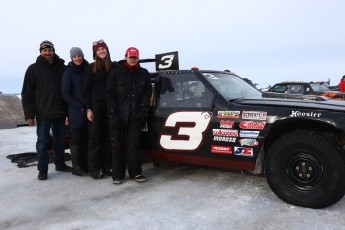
(127, 95)
(42, 100)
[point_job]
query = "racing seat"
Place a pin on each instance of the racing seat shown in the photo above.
(167, 93)
(202, 96)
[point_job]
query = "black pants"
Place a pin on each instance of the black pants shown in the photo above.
(79, 140)
(79, 136)
(99, 146)
(129, 137)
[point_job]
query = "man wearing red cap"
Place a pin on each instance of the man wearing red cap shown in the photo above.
(127, 95)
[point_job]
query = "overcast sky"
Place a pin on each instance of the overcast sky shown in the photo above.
(267, 41)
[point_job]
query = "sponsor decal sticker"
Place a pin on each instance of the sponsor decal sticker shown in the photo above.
(228, 114)
(254, 115)
(248, 142)
(225, 132)
(252, 124)
(225, 124)
(225, 139)
(250, 134)
(221, 149)
(243, 151)
(304, 114)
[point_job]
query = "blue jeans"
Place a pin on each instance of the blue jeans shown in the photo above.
(43, 128)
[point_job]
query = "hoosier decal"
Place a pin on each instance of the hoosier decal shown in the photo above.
(304, 114)
(221, 149)
(228, 114)
(243, 151)
(254, 115)
(225, 132)
(226, 124)
(252, 124)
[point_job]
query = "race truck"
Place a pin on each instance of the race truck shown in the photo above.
(214, 118)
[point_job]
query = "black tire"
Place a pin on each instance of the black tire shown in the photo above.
(305, 169)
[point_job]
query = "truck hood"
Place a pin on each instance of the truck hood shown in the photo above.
(319, 103)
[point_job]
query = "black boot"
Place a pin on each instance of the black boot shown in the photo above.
(106, 160)
(75, 156)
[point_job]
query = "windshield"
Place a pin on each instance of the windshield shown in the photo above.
(319, 87)
(231, 87)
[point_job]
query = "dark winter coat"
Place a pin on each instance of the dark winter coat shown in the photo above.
(41, 92)
(128, 93)
(72, 92)
(94, 85)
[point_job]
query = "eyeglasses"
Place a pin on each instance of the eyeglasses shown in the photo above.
(133, 57)
(96, 42)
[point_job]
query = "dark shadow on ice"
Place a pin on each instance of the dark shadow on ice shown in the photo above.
(24, 160)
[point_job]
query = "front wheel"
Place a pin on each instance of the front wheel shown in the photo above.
(305, 169)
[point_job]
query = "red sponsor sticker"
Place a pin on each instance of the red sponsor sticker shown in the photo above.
(226, 124)
(252, 124)
(221, 149)
(225, 132)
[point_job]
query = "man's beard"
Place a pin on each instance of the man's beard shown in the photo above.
(49, 58)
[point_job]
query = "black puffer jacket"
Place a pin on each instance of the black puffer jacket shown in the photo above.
(72, 92)
(95, 84)
(128, 93)
(41, 92)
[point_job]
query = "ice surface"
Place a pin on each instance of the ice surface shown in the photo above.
(174, 197)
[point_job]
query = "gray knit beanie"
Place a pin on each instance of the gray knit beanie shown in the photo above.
(76, 51)
(46, 44)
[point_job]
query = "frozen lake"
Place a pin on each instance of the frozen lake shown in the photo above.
(174, 197)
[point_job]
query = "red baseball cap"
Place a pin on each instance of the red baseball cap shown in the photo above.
(132, 52)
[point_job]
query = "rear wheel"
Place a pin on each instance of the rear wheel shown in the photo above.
(305, 169)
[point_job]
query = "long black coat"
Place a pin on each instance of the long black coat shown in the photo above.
(41, 92)
(72, 92)
(128, 93)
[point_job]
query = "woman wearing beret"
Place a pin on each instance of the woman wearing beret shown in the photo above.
(96, 78)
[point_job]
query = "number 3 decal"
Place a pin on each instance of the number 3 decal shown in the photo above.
(167, 61)
(190, 126)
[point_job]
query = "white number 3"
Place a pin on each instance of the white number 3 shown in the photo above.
(167, 61)
(190, 126)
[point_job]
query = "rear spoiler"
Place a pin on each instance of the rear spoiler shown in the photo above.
(165, 61)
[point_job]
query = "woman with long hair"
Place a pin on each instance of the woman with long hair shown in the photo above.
(96, 78)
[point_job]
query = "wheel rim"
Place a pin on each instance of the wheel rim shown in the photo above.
(303, 171)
